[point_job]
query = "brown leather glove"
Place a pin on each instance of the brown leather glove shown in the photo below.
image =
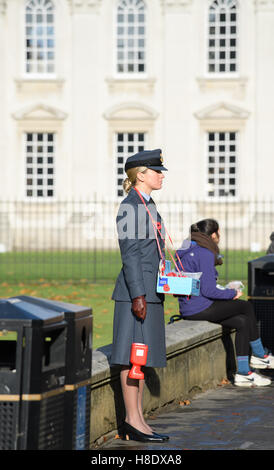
(139, 307)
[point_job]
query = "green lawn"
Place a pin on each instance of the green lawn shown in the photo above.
(60, 265)
(96, 296)
(87, 278)
(93, 266)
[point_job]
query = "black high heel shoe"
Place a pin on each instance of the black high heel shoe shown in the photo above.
(164, 436)
(131, 433)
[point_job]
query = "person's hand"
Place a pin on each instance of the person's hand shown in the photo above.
(239, 293)
(139, 307)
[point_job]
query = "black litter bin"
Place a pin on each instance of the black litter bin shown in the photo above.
(261, 295)
(78, 370)
(32, 376)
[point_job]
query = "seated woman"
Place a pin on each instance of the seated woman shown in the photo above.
(201, 254)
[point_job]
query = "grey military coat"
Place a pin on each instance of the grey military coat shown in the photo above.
(138, 276)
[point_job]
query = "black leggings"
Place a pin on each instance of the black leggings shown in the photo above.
(238, 314)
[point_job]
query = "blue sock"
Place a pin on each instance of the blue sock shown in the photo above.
(243, 365)
(257, 348)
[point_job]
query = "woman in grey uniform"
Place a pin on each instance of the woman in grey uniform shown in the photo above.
(139, 310)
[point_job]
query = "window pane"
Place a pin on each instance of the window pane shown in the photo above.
(39, 162)
(222, 29)
(221, 164)
(129, 144)
(40, 15)
(131, 30)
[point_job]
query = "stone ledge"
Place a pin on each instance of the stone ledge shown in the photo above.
(199, 355)
(180, 336)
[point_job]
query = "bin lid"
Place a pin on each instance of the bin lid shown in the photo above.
(15, 308)
(70, 311)
(265, 262)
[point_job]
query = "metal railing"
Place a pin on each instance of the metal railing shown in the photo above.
(77, 240)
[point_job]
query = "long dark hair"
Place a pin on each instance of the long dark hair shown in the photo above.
(207, 226)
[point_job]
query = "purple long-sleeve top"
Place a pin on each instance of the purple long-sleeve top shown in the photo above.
(197, 259)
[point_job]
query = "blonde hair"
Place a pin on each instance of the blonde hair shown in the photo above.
(130, 181)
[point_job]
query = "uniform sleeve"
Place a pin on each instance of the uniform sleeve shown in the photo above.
(127, 228)
(208, 280)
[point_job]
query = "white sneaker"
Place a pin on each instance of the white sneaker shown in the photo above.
(266, 362)
(251, 380)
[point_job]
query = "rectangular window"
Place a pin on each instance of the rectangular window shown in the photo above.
(222, 37)
(221, 164)
(126, 144)
(40, 164)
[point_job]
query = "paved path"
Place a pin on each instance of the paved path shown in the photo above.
(227, 418)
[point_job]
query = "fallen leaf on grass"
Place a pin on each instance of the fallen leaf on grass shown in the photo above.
(72, 295)
(24, 291)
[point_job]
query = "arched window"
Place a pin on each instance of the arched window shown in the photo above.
(39, 37)
(130, 42)
(222, 36)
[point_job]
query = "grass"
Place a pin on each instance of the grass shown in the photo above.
(60, 265)
(95, 296)
(87, 278)
(93, 266)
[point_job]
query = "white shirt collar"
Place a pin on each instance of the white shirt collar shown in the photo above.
(145, 195)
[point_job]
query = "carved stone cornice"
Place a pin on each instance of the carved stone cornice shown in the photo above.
(3, 6)
(233, 85)
(84, 6)
(264, 5)
(39, 112)
(222, 111)
(134, 111)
